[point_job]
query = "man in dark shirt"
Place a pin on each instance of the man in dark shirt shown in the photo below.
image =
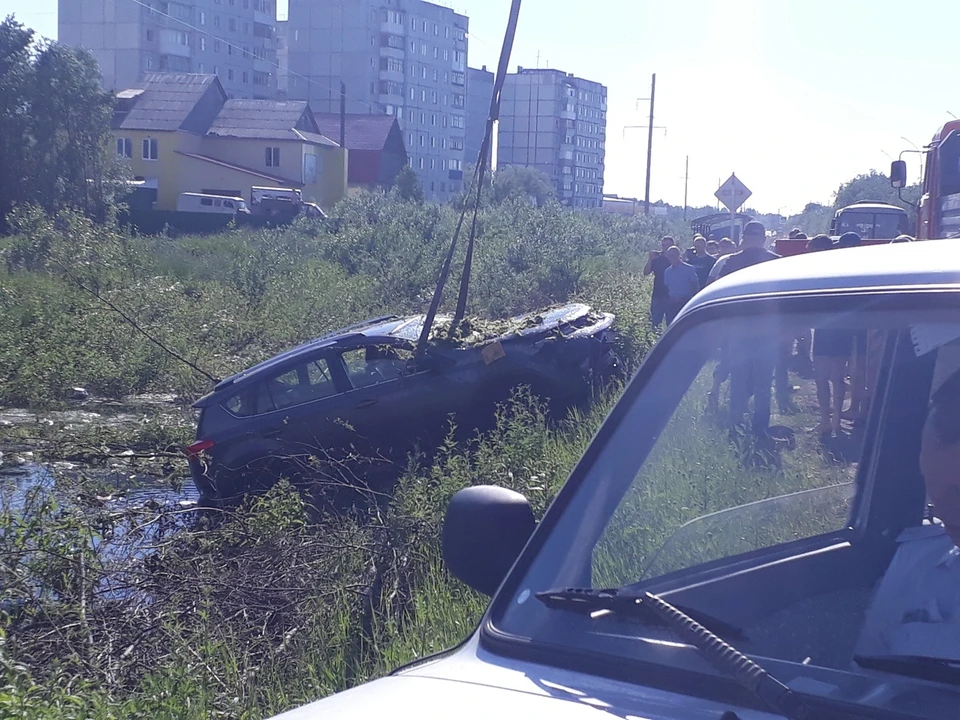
(701, 260)
(752, 359)
(657, 264)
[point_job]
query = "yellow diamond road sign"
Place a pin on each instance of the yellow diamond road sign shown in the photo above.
(733, 193)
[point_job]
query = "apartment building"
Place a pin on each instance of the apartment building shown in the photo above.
(405, 58)
(479, 93)
(232, 39)
(557, 123)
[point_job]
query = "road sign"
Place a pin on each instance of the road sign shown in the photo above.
(733, 193)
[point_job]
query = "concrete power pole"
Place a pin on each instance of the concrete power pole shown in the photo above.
(646, 197)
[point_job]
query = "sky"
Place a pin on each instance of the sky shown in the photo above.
(794, 96)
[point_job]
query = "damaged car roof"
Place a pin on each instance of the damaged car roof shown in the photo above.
(409, 328)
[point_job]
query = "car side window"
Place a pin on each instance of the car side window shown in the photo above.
(302, 384)
(375, 364)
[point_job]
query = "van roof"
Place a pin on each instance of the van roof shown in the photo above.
(899, 266)
(210, 195)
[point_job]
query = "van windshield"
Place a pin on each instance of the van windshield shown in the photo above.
(873, 225)
(726, 488)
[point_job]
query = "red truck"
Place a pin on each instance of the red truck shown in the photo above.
(939, 211)
(875, 222)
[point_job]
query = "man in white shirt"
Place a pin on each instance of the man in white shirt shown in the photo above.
(916, 609)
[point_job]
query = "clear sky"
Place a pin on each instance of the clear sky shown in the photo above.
(795, 96)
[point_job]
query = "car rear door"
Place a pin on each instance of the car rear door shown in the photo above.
(307, 400)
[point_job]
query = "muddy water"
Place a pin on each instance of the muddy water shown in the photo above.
(20, 472)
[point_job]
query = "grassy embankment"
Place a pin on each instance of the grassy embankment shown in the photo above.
(134, 610)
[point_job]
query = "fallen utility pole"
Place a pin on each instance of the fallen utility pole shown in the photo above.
(478, 176)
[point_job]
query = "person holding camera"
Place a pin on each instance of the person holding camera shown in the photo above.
(657, 265)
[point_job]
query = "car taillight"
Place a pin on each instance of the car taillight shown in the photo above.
(200, 446)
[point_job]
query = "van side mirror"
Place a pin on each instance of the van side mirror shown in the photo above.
(898, 174)
(484, 530)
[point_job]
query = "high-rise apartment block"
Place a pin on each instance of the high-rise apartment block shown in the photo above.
(233, 39)
(405, 58)
(479, 93)
(556, 123)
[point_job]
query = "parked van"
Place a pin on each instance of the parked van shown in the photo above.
(218, 205)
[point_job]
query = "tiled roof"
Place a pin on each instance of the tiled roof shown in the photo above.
(363, 132)
(166, 103)
(265, 120)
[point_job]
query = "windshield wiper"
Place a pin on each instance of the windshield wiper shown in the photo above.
(587, 601)
(924, 667)
(727, 658)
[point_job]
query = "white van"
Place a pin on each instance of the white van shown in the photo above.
(215, 204)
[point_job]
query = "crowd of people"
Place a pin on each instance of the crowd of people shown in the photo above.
(843, 361)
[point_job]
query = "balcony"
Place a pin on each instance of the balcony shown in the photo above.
(264, 18)
(264, 65)
(394, 75)
(173, 44)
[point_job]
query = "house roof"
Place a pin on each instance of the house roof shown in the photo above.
(267, 120)
(166, 102)
(284, 182)
(363, 132)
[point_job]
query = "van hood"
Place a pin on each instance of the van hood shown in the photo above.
(475, 685)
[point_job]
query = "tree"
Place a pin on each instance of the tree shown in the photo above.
(874, 186)
(814, 219)
(516, 181)
(54, 127)
(16, 75)
(408, 186)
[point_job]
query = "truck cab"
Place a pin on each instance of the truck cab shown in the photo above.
(701, 565)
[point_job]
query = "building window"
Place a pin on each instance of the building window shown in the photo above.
(200, 68)
(229, 49)
(420, 163)
(423, 140)
(216, 46)
(433, 163)
(423, 49)
(216, 21)
(203, 44)
(446, 33)
(148, 149)
(413, 46)
(203, 17)
(149, 62)
(433, 120)
(412, 140)
(433, 97)
(413, 93)
(149, 35)
(436, 29)
(423, 96)
(436, 53)
(457, 121)
(272, 157)
(433, 141)
(125, 147)
(232, 24)
(246, 77)
(230, 74)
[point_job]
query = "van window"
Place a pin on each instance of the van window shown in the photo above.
(206, 201)
(217, 202)
(227, 203)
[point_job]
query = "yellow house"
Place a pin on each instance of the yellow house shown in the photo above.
(180, 133)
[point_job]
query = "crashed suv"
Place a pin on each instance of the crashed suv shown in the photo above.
(696, 566)
(361, 394)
